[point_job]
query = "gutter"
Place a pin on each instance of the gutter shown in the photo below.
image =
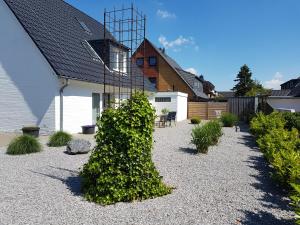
(61, 100)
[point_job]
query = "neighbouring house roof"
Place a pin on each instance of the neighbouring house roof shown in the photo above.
(295, 92)
(226, 94)
(59, 30)
(284, 92)
(296, 79)
(190, 79)
(187, 77)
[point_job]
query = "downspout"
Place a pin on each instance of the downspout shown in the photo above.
(61, 99)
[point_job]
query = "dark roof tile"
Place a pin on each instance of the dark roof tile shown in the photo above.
(53, 25)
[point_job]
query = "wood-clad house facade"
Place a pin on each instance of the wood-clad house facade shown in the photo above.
(166, 74)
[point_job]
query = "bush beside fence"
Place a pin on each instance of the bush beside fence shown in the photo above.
(280, 147)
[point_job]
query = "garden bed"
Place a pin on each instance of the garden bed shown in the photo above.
(229, 185)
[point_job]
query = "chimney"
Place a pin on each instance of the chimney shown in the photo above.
(163, 50)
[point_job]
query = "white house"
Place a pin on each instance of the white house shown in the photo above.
(288, 98)
(51, 73)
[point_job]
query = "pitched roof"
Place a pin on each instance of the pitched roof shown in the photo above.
(295, 92)
(226, 94)
(187, 77)
(59, 30)
(291, 80)
(190, 79)
(284, 92)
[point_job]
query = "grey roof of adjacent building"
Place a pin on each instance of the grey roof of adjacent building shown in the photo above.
(295, 92)
(284, 92)
(187, 77)
(226, 94)
(59, 30)
(190, 79)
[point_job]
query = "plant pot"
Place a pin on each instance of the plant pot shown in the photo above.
(88, 129)
(32, 131)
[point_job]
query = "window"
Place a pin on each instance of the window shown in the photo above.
(91, 51)
(197, 84)
(84, 27)
(152, 61)
(153, 81)
(118, 60)
(163, 99)
(106, 100)
(140, 62)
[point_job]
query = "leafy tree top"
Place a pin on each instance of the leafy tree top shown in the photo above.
(244, 81)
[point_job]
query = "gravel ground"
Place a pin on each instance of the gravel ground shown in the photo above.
(229, 185)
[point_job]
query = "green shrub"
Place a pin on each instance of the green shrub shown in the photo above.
(206, 135)
(59, 138)
(24, 144)
(229, 119)
(196, 120)
(120, 167)
(261, 124)
(215, 130)
(292, 120)
(295, 197)
(286, 165)
(279, 140)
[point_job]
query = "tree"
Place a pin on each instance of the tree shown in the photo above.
(244, 81)
(258, 89)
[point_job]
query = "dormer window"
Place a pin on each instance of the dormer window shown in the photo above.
(118, 59)
(91, 51)
(197, 84)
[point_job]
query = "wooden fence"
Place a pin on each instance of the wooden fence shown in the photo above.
(243, 107)
(206, 110)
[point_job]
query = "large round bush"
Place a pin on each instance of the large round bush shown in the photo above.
(120, 167)
(24, 144)
(59, 138)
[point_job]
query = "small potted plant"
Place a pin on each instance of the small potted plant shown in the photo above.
(88, 129)
(31, 130)
(165, 111)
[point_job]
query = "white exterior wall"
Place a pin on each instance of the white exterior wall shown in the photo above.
(284, 103)
(28, 85)
(78, 105)
(178, 103)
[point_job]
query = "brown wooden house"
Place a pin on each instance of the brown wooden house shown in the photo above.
(166, 74)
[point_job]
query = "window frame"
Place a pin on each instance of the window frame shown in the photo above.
(141, 59)
(149, 61)
(163, 99)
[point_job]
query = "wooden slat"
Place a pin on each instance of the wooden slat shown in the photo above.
(206, 110)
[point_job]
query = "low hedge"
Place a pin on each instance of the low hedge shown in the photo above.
(206, 135)
(279, 142)
(24, 144)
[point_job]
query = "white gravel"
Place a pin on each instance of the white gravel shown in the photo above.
(229, 185)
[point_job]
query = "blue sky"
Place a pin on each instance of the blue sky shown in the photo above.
(216, 37)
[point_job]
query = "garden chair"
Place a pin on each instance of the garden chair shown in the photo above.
(171, 117)
(162, 121)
